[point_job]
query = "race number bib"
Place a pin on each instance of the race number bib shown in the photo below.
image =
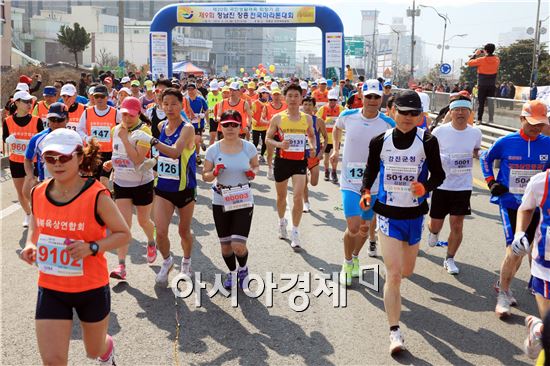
(329, 123)
(297, 142)
(237, 197)
(398, 178)
(19, 146)
(168, 168)
(72, 125)
(53, 257)
(461, 163)
(519, 179)
(102, 133)
(122, 163)
(547, 244)
(354, 173)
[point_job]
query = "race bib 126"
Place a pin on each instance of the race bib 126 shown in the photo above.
(168, 168)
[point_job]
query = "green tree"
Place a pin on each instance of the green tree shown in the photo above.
(468, 75)
(75, 39)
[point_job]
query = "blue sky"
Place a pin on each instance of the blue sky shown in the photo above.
(481, 20)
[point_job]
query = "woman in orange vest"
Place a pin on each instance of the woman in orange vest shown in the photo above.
(67, 241)
(17, 131)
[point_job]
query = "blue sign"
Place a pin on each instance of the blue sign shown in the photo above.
(445, 69)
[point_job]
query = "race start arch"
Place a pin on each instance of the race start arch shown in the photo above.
(244, 15)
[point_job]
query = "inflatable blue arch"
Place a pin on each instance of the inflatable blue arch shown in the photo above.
(244, 15)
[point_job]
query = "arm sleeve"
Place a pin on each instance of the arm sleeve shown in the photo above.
(5, 131)
(39, 125)
(373, 163)
(487, 158)
(437, 174)
(474, 62)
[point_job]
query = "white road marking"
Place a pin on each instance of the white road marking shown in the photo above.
(9, 210)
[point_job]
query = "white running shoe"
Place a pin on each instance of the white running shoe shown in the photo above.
(371, 250)
(167, 265)
(295, 237)
(270, 175)
(532, 344)
(283, 234)
(26, 220)
(432, 239)
(186, 267)
(307, 207)
(503, 305)
(450, 265)
(397, 342)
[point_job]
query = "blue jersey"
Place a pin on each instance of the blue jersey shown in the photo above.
(175, 175)
(520, 159)
(317, 137)
(198, 105)
(33, 150)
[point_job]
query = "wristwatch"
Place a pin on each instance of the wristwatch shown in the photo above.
(94, 247)
(154, 141)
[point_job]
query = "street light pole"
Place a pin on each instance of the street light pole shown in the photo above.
(443, 44)
(412, 40)
(534, 61)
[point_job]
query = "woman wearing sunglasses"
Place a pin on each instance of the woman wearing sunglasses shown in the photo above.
(232, 162)
(408, 161)
(67, 241)
(17, 131)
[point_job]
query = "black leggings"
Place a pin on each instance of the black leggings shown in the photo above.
(483, 93)
(232, 225)
(256, 135)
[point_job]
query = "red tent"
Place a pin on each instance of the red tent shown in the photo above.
(187, 68)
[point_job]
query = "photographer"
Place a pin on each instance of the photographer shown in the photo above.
(487, 68)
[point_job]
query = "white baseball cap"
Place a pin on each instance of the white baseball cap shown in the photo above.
(221, 84)
(372, 86)
(235, 86)
(63, 141)
(68, 89)
(22, 95)
(263, 89)
(322, 81)
(274, 85)
(303, 84)
(22, 86)
(126, 90)
(125, 80)
(333, 94)
(214, 85)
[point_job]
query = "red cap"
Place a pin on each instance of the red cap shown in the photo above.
(131, 105)
(535, 112)
(465, 93)
(25, 79)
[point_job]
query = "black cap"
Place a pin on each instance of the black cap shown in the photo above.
(58, 110)
(101, 89)
(192, 85)
(408, 100)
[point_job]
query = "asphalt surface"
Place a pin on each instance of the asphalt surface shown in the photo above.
(445, 319)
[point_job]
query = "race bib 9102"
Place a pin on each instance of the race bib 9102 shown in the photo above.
(53, 258)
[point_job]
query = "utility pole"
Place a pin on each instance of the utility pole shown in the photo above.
(413, 42)
(534, 63)
(374, 56)
(120, 31)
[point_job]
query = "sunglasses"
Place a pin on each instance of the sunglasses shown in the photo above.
(409, 113)
(372, 96)
(231, 124)
(99, 96)
(56, 119)
(52, 159)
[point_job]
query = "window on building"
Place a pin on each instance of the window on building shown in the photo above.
(2, 17)
(110, 29)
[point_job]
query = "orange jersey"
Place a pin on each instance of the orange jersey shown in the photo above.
(253, 97)
(74, 220)
(320, 96)
(43, 110)
(487, 65)
(225, 106)
(271, 110)
(74, 117)
(257, 109)
(100, 127)
(22, 137)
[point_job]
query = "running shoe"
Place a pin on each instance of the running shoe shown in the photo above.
(151, 253)
(334, 178)
(242, 275)
(119, 273)
(355, 271)
(503, 305)
(228, 283)
(270, 175)
(327, 175)
(110, 361)
(295, 239)
(307, 207)
(167, 265)
(532, 344)
(432, 239)
(186, 267)
(371, 250)
(450, 265)
(283, 234)
(26, 220)
(397, 342)
(346, 274)
(511, 298)
(262, 159)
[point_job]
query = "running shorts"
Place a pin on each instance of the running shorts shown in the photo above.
(179, 199)
(455, 203)
(284, 169)
(17, 170)
(232, 225)
(350, 202)
(408, 230)
(508, 217)
(141, 195)
(540, 287)
(91, 306)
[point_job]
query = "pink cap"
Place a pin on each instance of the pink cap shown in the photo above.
(131, 105)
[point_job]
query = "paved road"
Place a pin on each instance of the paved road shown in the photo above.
(446, 320)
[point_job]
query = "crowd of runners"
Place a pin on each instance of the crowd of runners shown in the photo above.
(81, 165)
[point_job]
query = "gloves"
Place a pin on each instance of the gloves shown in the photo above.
(521, 245)
(250, 174)
(141, 136)
(418, 189)
(365, 200)
(496, 188)
(218, 169)
(10, 139)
